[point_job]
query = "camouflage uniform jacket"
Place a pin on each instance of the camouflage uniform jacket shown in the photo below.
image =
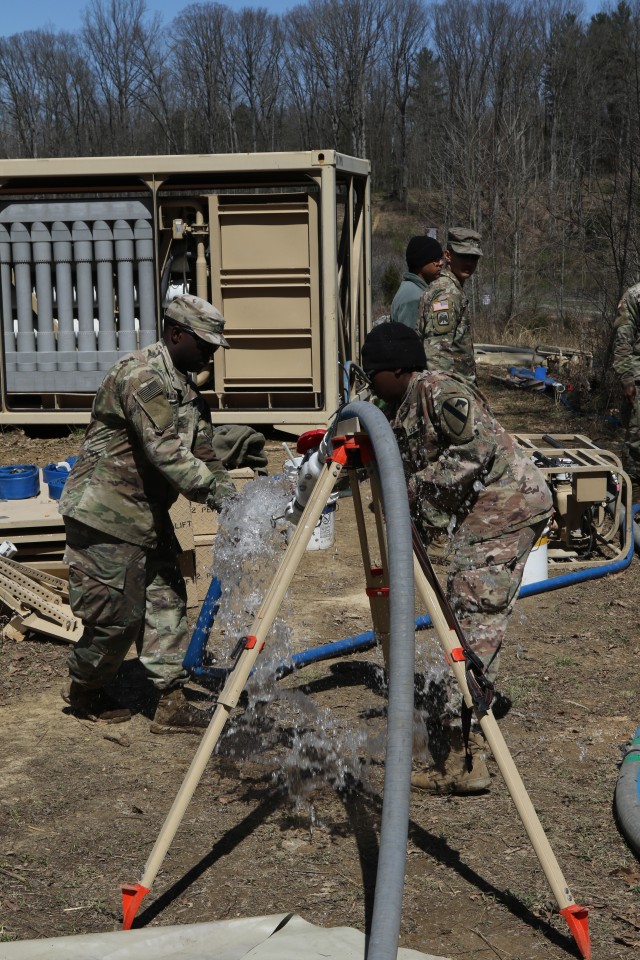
(462, 467)
(404, 306)
(445, 327)
(626, 347)
(149, 439)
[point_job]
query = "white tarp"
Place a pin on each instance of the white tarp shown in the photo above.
(280, 937)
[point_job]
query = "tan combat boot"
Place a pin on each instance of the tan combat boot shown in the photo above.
(175, 714)
(452, 776)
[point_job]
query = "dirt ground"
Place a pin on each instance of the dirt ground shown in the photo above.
(81, 804)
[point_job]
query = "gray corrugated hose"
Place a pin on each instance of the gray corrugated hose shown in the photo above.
(627, 795)
(387, 908)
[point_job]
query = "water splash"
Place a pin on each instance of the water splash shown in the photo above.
(248, 548)
(304, 745)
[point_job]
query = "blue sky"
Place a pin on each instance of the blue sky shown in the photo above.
(65, 14)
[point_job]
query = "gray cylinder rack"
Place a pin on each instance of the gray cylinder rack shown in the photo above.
(77, 290)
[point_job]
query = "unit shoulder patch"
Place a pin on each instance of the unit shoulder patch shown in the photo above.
(456, 414)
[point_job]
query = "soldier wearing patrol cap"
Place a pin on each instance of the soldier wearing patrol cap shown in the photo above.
(444, 324)
(149, 439)
(199, 317)
(471, 485)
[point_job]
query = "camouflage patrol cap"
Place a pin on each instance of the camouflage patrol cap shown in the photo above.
(464, 240)
(199, 317)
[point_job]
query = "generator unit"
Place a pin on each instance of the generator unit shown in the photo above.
(591, 521)
(91, 249)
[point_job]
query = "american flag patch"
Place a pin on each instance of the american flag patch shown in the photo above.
(440, 305)
(152, 388)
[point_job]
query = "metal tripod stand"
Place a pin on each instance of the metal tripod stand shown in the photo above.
(352, 452)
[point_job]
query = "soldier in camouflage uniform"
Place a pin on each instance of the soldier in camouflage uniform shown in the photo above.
(444, 324)
(626, 363)
(424, 263)
(469, 480)
(149, 439)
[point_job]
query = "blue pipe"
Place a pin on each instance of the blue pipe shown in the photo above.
(530, 375)
(366, 640)
(579, 576)
(361, 641)
(194, 657)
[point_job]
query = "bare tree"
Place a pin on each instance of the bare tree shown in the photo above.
(19, 92)
(404, 36)
(119, 38)
(203, 63)
(311, 42)
(344, 40)
(68, 92)
(303, 82)
(258, 45)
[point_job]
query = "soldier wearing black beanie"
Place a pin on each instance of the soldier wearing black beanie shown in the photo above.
(424, 263)
(476, 497)
(422, 250)
(392, 346)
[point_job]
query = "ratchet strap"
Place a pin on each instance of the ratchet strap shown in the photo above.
(480, 687)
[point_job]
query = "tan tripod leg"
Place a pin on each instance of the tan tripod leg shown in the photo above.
(376, 578)
(576, 916)
(133, 894)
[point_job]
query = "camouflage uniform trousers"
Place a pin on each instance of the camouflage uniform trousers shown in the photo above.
(631, 446)
(125, 595)
(482, 586)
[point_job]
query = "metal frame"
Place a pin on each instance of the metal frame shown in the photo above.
(352, 452)
(589, 460)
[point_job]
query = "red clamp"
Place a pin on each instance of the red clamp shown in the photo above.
(366, 449)
(377, 591)
(342, 447)
(457, 655)
(356, 449)
(251, 642)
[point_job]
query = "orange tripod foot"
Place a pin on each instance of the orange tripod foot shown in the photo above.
(578, 920)
(132, 896)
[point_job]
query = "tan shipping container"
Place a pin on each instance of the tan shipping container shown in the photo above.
(91, 248)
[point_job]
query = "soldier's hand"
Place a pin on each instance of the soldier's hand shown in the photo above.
(630, 392)
(223, 492)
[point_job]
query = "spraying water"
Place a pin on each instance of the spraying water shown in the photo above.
(304, 744)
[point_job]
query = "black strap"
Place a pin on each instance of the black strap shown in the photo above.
(465, 716)
(480, 687)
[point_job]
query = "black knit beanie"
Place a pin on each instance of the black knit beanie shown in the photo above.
(421, 250)
(392, 346)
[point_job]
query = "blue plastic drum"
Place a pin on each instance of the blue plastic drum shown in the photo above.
(53, 471)
(56, 486)
(19, 481)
